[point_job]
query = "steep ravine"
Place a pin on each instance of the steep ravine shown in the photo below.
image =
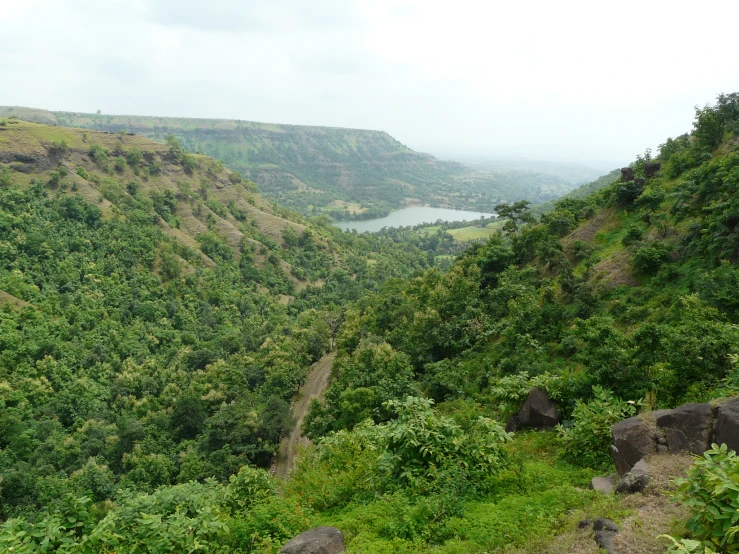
(314, 387)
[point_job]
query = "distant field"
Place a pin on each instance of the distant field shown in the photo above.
(476, 233)
(341, 206)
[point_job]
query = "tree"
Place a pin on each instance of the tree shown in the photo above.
(514, 213)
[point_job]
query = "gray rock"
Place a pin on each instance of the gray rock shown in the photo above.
(538, 411)
(584, 524)
(321, 540)
(686, 428)
(513, 424)
(603, 524)
(662, 449)
(602, 484)
(651, 169)
(604, 539)
(632, 440)
(636, 480)
(727, 425)
(627, 174)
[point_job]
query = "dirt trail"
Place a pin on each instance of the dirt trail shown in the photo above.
(314, 386)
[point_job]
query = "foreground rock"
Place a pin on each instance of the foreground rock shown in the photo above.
(321, 540)
(686, 428)
(602, 484)
(605, 531)
(633, 439)
(537, 412)
(635, 480)
(627, 174)
(726, 429)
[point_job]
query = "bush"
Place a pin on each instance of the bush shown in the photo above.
(649, 258)
(634, 234)
(586, 442)
(120, 164)
(711, 493)
(5, 176)
(99, 155)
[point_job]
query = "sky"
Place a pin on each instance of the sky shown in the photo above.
(594, 82)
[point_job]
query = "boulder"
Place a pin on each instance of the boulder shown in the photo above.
(538, 411)
(513, 424)
(686, 428)
(726, 430)
(321, 540)
(604, 539)
(602, 484)
(636, 480)
(627, 174)
(605, 531)
(603, 524)
(651, 169)
(632, 440)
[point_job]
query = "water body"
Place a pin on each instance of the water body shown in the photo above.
(410, 216)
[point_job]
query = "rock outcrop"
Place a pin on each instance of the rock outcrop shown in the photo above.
(537, 412)
(686, 428)
(633, 439)
(321, 540)
(651, 169)
(602, 484)
(635, 480)
(627, 174)
(605, 531)
(726, 430)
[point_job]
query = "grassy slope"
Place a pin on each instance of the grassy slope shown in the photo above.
(24, 146)
(309, 168)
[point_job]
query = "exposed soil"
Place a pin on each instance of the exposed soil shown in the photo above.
(314, 386)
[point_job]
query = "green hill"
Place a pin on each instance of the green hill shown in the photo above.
(343, 172)
(141, 402)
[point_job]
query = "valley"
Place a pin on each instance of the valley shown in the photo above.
(169, 333)
(343, 173)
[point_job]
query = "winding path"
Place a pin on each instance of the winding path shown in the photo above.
(315, 385)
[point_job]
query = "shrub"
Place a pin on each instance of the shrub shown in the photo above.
(5, 176)
(59, 147)
(634, 233)
(82, 172)
(649, 258)
(625, 193)
(99, 155)
(120, 164)
(711, 493)
(421, 444)
(134, 157)
(586, 442)
(188, 161)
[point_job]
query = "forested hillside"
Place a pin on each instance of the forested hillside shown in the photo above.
(151, 332)
(347, 173)
(139, 402)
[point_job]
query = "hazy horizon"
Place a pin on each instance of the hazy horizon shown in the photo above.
(461, 81)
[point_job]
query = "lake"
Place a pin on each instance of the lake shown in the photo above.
(410, 216)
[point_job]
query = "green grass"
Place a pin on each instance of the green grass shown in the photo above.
(539, 497)
(466, 234)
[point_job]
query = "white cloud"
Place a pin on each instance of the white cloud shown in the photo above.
(567, 80)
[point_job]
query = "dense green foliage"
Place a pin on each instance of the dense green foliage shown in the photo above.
(711, 492)
(132, 382)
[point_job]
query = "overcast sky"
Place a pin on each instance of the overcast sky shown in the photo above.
(591, 81)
